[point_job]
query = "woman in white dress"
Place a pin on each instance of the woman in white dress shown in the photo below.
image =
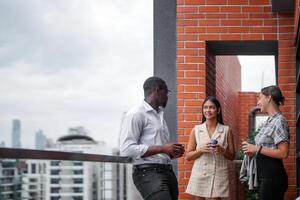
(210, 146)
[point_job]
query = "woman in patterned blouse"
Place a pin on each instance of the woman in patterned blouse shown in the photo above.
(271, 146)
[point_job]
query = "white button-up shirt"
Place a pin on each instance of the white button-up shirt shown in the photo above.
(143, 126)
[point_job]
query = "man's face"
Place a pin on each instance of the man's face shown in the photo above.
(163, 94)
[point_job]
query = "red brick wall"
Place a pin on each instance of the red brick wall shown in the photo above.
(203, 20)
(247, 100)
(210, 74)
(228, 84)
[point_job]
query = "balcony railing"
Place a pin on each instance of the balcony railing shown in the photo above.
(13, 153)
(104, 173)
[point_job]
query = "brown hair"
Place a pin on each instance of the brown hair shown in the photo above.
(275, 93)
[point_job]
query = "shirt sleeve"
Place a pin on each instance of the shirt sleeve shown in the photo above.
(281, 132)
(131, 130)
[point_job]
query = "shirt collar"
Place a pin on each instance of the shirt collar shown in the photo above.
(148, 107)
(273, 117)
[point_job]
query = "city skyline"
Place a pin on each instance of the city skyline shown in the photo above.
(70, 179)
(41, 139)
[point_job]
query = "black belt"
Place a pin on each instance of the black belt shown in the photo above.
(152, 166)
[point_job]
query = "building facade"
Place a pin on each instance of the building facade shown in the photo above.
(16, 134)
(40, 140)
(10, 179)
(190, 35)
(80, 180)
(211, 28)
(68, 180)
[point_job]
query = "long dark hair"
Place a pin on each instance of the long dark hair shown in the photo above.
(215, 101)
(275, 93)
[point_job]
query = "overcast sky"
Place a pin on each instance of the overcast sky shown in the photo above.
(257, 72)
(72, 63)
(77, 63)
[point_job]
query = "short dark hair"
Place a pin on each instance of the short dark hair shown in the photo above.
(152, 83)
(275, 93)
(215, 101)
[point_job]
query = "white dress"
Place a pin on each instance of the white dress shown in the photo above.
(209, 177)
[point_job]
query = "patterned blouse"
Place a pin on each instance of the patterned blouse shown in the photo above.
(273, 131)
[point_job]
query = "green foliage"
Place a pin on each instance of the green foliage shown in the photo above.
(239, 155)
(251, 195)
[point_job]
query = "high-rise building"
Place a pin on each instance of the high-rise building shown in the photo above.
(69, 180)
(33, 180)
(40, 140)
(16, 133)
(11, 179)
(81, 180)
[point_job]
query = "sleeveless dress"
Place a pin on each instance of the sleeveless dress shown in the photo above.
(209, 177)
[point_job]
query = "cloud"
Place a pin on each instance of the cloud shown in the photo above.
(70, 63)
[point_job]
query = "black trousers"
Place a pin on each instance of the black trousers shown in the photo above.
(272, 177)
(271, 189)
(155, 181)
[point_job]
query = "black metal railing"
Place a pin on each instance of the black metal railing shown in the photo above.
(14, 153)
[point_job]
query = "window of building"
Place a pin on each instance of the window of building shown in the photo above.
(55, 198)
(78, 172)
(78, 180)
(54, 162)
(78, 198)
(77, 189)
(77, 163)
(31, 187)
(54, 171)
(54, 189)
(33, 168)
(55, 180)
(32, 180)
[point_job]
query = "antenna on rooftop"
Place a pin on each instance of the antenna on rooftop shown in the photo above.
(262, 78)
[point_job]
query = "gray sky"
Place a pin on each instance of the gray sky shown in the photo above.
(257, 72)
(77, 63)
(69, 63)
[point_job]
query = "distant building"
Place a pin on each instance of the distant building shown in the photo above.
(50, 143)
(34, 180)
(64, 180)
(11, 179)
(16, 133)
(126, 188)
(40, 140)
(2, 144)
(76, 179)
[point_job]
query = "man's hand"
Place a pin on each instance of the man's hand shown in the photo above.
(174, 150)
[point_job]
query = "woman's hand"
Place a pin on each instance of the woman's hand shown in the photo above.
(249, 149)
(206, 148)
(218, 149)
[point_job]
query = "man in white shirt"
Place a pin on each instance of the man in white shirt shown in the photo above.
(145, 137)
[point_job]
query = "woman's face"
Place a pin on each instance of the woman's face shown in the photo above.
(210, 110)
(263, 102)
